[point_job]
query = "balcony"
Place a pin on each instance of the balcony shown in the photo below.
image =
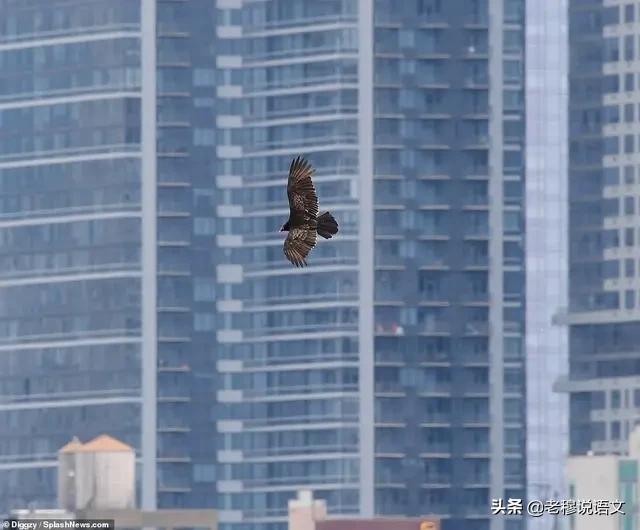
(174, 486)
(482, 448)
(387, 328)
(388, 260)
(475, 417)
(290, 22)
(171, 206)
(514, 477)
(337, 138)
(437, 327)
(299, 390)
(389, 418)
(434, 387)
(471, 387)
(432, 261)
(436, 479)
(435, 417)
(301, 419)
(435, 448)
(299, 450)
(514, 387)
(513, 327)
(298, 52)
(294, 482)
(345, 79)
(477, 19)
(391, 356)
(478, 328)
(389, 387)
(309, 328)
(173, 393)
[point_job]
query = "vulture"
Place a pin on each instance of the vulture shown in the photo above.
(304, 224)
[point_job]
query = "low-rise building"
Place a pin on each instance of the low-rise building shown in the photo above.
(606, 483)
(307, 513)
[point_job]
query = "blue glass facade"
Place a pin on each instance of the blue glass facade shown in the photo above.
(546, 251)
(70, 231)
(387, 376)
(75, 142)
(603, 316)
(186, 254)
(444, 200)
(288, 344)
(446, 147)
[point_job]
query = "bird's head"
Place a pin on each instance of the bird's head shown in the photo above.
(285, 227)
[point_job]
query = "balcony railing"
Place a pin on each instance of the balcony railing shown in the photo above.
(300, 389)
(296, 53)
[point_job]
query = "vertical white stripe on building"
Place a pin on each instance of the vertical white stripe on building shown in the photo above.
(365, 256)
(149, 264)
(496, 259)
(546, 249)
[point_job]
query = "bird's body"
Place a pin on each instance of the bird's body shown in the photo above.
(304, 224)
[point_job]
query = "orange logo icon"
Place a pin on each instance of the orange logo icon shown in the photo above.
(427, 525)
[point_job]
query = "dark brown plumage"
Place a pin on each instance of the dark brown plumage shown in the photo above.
(304, 224)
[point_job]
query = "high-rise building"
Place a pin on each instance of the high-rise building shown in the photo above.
(603, 313)
(107, 242)
(145, 146)
(388, 376)
(547, 252)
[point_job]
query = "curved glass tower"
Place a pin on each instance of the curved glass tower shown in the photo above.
(388, 376)
(70, 226)
(107, 286)
(289, 345)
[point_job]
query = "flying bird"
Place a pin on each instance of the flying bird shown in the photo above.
(304, 224)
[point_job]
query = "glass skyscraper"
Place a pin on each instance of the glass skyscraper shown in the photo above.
(107, 234)
(604, 311)
(388, 376)
(547, 252)
(145, 293)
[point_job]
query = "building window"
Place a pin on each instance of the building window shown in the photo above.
(615, 430)
(204, 137)
(629, 13)
(204, 226)
(629, 112)
(630, 299)
(611, 176)
(629, 174)
(612, 114)
(611, 49)
(628, 82)
(629, 268)
(407, 38)
(611, 145)
(204, 290)
(615, 399)
(204, 77)
(629, 142)
(629, 205)
(204, 473)
(204, 322)
(629, 47)
(629, 237)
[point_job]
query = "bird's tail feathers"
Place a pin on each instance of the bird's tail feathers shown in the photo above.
(327, 225)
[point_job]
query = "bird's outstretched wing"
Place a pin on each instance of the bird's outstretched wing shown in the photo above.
(303, 201)
(298, 244)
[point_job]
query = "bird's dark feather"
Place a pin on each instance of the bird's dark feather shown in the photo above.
(299, 243)
(303, 201)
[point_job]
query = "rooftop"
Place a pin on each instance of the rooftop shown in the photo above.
(101, 444)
